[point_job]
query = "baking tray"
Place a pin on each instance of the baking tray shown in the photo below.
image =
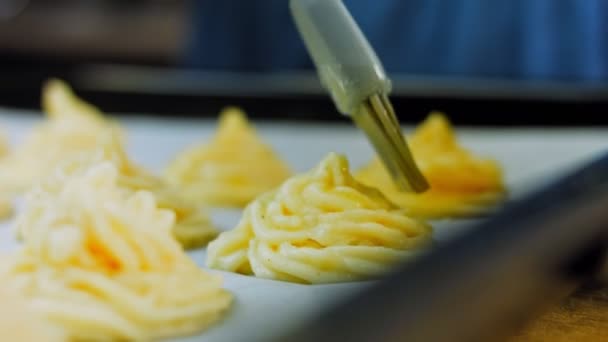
(264, 308)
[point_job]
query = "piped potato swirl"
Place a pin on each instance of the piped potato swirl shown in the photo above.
(320, 227)
(99, 262)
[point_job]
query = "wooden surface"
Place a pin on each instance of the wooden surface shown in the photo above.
(582, 317)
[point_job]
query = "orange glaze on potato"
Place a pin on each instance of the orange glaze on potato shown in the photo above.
(462, 184)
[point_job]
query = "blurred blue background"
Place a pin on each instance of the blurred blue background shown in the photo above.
(529, 39)
(521, 60)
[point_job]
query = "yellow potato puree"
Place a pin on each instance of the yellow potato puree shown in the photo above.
(232, 169)
(20, 322)
(462, 184)
(6, 206)
(76, 135)
(192, 226)
(320, 227)
(72, 127)
(100, 263)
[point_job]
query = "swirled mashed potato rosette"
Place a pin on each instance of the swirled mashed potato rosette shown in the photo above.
(72, 127)
(232, 169)
(462, 184)
(99, 262)
(320, 227)
(192, 226)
